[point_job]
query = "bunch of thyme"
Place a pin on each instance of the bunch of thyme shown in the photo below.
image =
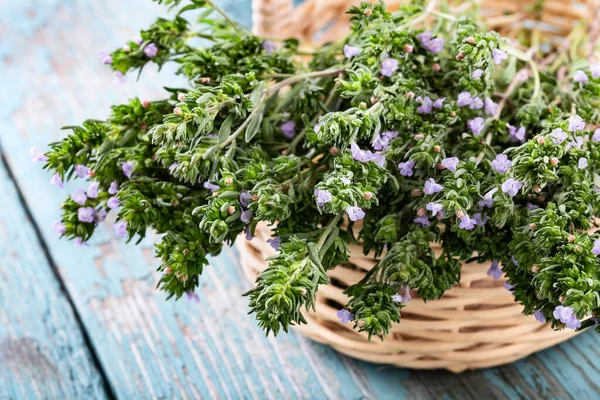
(418, 127)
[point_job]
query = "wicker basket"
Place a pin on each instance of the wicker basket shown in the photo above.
(476, 324)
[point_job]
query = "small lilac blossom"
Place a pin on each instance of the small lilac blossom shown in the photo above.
(596, 136)
(580, 76)
(595, 70)
(138, 41)
(105, 57)
(514, 260)
(422, 220)
(501, 164)
(405, 293)
(476, 104)
(424, 37)
(288, 129)
(322, 196)
(509, 286)
(499, 56)
(172, 167)
(245, 198)
(112, 202)
(118, 77)
(268, 46)
(120, 228)
(511, 187)
(450, 163)
(432, 187)
(151, 50)
(360, 155)
(517, 134)
(127, 168)
(576, 142)
(464, 99)
(192, 297)
(101, 215)
(476, 125)
(397, 298)
(211, 186)
(344, 316)
(316, 128)
(426, 106)
(567, 316)
(86, 214)
(389, 135)
(79, 196)
(113, 188)
(539, 316)
(576, 123)
(467, 223)
(439, 103)
(490, 108)
(477, 73)
(82, 171)
(434, 208)
(480, 219)
(56, 180)
(434, 46)
(248, 232)
(351, 51)
(80, 243)
(488, 199)
(246, 216)
(531, 207)
(59, 227)
(389, 66)
(558, 135)
(494, 271)
(378, 159)
(355, 213)
(380, 142)
(274, 242)
(406, 168)
(596, 248)
(345, 180)
(92, 191)
(37, 155)
(582, 163)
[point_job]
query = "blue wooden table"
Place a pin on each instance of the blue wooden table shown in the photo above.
(87, 323)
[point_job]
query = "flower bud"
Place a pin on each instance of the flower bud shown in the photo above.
(554, 161)
(459, 214)
(362, 105)
(230, 210)
(126, 48)
(561, 299)
(460, 56)
(540, 199)
(368, 195)
(452, 113)
(181, 97)
(204, 80)
(535, 269)
(374, 100)
(470, 40)
(537, 189)
(437, 149)
(175, 203)
(421, 212)
(168, 270)
(368, 12)
(532, 226)
(228, 181)
(303, 291)
(361, 323)
(541, 140)
(571, 238)
(408, 48)
(186, 252)
(409, 95)
(577, 249)
(419, 136)
(436, 67)
(333, 151)
(92, 173)
(254, 197)
(177, 110)
(145, 103)
(144, 127)
(416, 192)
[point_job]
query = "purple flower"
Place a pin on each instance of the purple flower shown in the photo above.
(397, 298)
(488, 199)
(406, 168)
(245, 198)
(381, 142)
(59, 227)
(501, 164)
(322, 196)
(464, 99)
(467, 223)
(345, 316)
(127, 168)
(351, 51)
(345, 180)
(37, 155)
(432, 187)
(508, 286)
(355, 213)
(172, 167)
(192, 297)
(360, 155)
(596, 136)
(595, 70)
(490, 108)
(567, 316)
(476, 104)
(422, 220)
(288, 129)
(249, 235)
(514, 260)
(274, 242)
(403, 296)
(389, 66)
(105, 57)
(112, 202)
(138, 41)
(582, 163)
(378, 159)
(210, 186)
(424, 37)
(576, 142)
(82, 171)
(494, 271)
(539, 315)
(120, 228)
(476, 125)
(118, 77)
(92, 191)
(268, 46)
(558, 135)
(101, 215)
(151, 50)
(79, 196)
(596, 248)
(389, 135)
(439, 103)
(113, 188)
(511, 187)
(450, 163)
(56, 180)
(426, 105)
(80, 243)
(517, 134)
(477, 73)
(86, 214)
(316, 128)
(499, 56)
(434, 208)
(480, 220)
(246, 216)
(434, 45)
(576, 123)
(580, 76)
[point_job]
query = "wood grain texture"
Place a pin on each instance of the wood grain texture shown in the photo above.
(150, 348)
(42, 351)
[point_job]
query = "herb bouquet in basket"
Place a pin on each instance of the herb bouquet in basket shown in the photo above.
(420, 140)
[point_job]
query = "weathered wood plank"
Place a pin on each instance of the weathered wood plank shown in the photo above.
(150, 348)
(42, 350)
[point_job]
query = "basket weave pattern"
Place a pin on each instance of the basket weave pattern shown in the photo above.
(476, 324)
